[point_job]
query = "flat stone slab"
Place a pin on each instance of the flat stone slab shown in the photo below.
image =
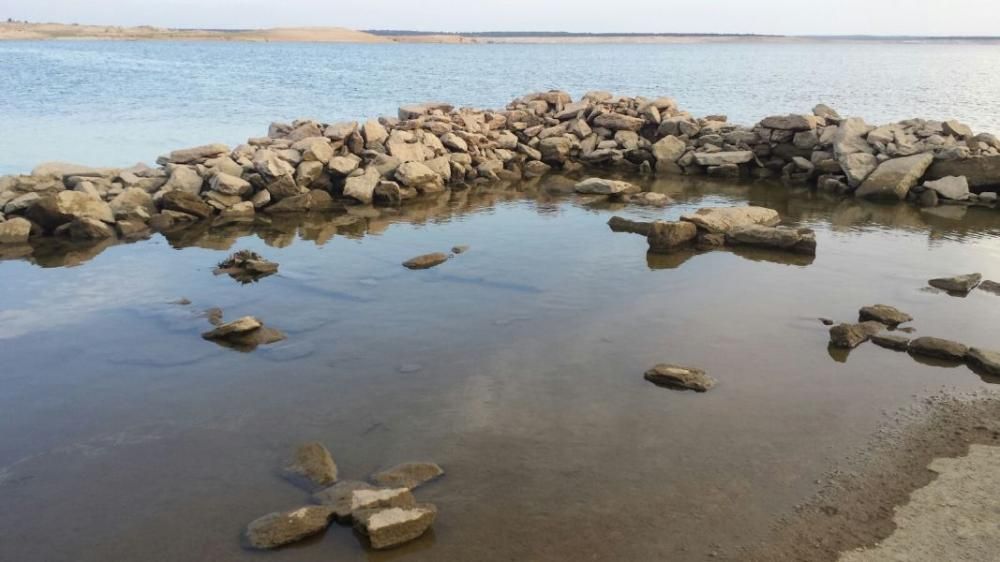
(387, 528)
(796, 240)
(939, 348)
(723, 219)
(600, 186)
(723, 158)
(340, 497)
(849, 336)
(897, 343)
(894, 178)
(382, 498)
(884, 314)
(278, 529)
(960, 284)
(408, 475)
(675, 376)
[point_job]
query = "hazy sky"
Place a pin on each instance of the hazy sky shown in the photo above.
(794, 17)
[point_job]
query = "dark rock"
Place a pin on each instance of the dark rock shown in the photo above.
(961, 284)
(619, 224)
(884, 314)
(666, 237)
(797, 240)
(185, 202)
(990, 287)
(898, 343)
(313, 462)
(246, 267)
(426, 261)
(939, 348)
(849, 336)
(675, 376)
(408, 475)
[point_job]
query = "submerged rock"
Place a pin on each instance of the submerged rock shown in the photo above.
(990, 287)
(620, 224)
(244, 334)
(961, 284)
(461, 249)
(884, 314)
(387, 528)
(313, 462)
(939, 348)
(898, 343)
(797, 240)
(15, 231)
(849, 336)
(426, 261)
(340, 497)
(246, 267)
(278, 529)
(723, 219)
(675, 376)
(408, 475)
(984, 361)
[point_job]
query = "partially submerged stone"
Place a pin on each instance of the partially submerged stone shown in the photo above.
(340, 497)
(387, 528)
(950, 187)
(382, 498)
(460, 249)
(796, 240)
(15, 230)
(620, 224)
(984, 361)
(723, 219)
(600, 186)
(849, 336)
(894, 178)
(939, 348)
(313, 462)
(281, 528)
(666, 237)
(426, 261)
(888, 341)
(237, 327)
(244, 334)
(675, 376)
(990, 287)
(960, 284)
(885, 314)
(246, 266)
(408, 475)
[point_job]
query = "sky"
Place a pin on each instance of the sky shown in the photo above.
(783, 17)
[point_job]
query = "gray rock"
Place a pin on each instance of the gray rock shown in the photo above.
(723, 158)
(408, 475)
(990, 287)
(721, 220)
(387, 528)
(938, 348)
(894, 178)
(961, 284)
(849, 336)
(884, 314)
(675, 376)
(850, 138)
(667, 237)
(278, 529)
(790, 122)
(197, 154)
(984, 361)
(426, 261)
(898, 343)
(380, 498)
(313, 462)
(340, 497)
(797, 240)
(979, 171)
(857, 167)
(620, 224)
(950, 187)
(600, 186)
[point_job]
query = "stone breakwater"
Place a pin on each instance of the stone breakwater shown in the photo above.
(308, 166)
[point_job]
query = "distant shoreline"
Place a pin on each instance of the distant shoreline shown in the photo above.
(15, 31)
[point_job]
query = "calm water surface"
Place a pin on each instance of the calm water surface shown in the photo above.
(117, 103)
(517, 366)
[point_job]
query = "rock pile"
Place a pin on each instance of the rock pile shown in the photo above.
(386, 512)
(309, 166)
(246, 267)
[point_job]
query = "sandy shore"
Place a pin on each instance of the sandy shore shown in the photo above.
(916, 492)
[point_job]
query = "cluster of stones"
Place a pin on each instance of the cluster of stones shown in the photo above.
(715, 227)
(384, 511)
(311, 166)
(874, 321)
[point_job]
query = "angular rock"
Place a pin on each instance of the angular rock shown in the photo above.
(667, 151)
(313, 462)
(408, 475)
(618, 122)
(857, 167)
(343, 165)
(894, 178)
(416, 110)
(184, 202)
(939, 348)
(721, 220)
(362, 187)
(960, 284)
(849, 336)
(340, 497)
(790, 122)
(600, 186)
(238, 327)
(990, 287)
(246, 266)
(675, 376)
(417, 175)
(797, 240)
(667, 237)
(723, 158)
(984, 361)
(884, 314)
(133, 202)
(382, 498)
(620, 224)
(53, 210)
(184, 178)
(278, 529)
(387, 528)
(555, 150)
(229, 185)
(979, 171)
(950, 187)
(84, 228)
(897, 343)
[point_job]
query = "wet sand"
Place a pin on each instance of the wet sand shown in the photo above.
(517, 366)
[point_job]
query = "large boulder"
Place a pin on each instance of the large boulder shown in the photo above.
(228, 184)
(667, 151)
(278, 529)
(667, 237)
(721, 220)
(950, 187)
(555, 150)
(54, 210)
(133, 202)
(723, 158)
(857, 167)
(417, 175)
(959, 284)
(850, 137)
(979, 171)
(83, 228)
(362, 187)
(270, 165)
(184, 178)
(894, 178)
(15, 230)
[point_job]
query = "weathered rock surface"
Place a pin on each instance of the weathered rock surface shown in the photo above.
(979, 172)
(382, 498)
(197, 154)
(894, 178)
(723, 158)
(408, 475)
(666, 237)
(246, 266)
(620, 224)
(939, 348)
(15, 231)
(340, 497)
(960, 284)
(279, 529)
(888, 341)
(599, 186)
(387, 528)
(723, 219)
(426, 261)
(950, 187)
(990, 287)
(849, 336)
(797, 240)
(675, 376)
(362, 187)
(61, 208)
(313, 462)
(884, 314)
(984, 361)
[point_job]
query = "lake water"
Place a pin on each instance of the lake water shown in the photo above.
(106, 103)
(517, 366)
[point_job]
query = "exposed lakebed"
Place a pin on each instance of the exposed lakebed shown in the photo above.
(518, 366)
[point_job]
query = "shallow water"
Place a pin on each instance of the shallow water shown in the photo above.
(118, 103)
(517, 366)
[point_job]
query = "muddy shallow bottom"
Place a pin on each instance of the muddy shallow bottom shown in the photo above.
(518, 366)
